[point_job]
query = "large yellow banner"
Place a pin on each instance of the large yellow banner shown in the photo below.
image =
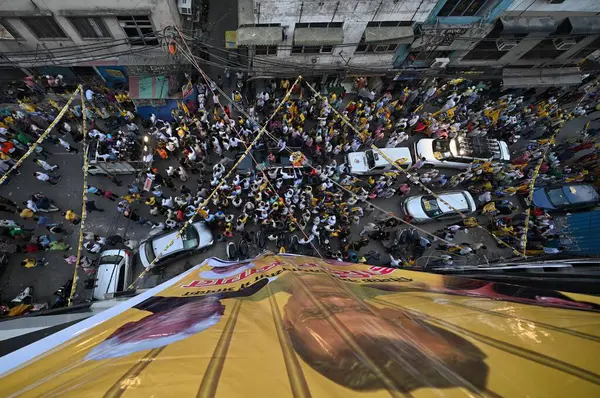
(283, 325)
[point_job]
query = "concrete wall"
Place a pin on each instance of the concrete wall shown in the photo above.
(543, 6)
(162, 13)
(354, 13)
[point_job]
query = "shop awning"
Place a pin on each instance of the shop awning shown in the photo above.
(318, 36)
(397, 34)
(526, 25)
(258, 36)
(540, 77)
(584, 25)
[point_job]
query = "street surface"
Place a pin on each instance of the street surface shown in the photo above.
(67, 195)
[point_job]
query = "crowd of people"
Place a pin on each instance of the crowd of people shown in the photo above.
(299, 192)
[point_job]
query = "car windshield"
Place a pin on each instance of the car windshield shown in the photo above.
(370, 159)
(149, 250)
(190, 238)
(557, 197)
(441, 149)
(110, 259)
(430, 206)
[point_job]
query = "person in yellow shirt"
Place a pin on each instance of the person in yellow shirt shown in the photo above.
(71, 216)
(26, 213)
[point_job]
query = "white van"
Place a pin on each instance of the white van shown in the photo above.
(371, 162)
(114, 273)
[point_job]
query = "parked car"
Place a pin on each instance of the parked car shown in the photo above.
(426, 208)
(566, 198)
(371, 162)
(114, 273)
(196, 237)
(459, 152)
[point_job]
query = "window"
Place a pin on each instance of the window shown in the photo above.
(7, 32)
(260, 25)
(462, 8)
(44, 27)
(111, 259)
(388, 24)
(545, 49)
(90, 28)
(319, 25)
(428, 55)
(312, 49)
(430, 206)
(139, 30)
(190, 238)
(121, 280)
(364, 47)
(266, 50)
(584, 52)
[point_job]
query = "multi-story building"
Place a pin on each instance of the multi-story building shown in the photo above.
(119, 41)
(549, 37)
(326, 35)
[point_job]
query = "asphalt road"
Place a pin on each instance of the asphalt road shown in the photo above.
(68, 192)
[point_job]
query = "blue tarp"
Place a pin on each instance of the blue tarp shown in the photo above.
(580, 233)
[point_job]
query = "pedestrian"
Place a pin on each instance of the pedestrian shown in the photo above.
(45, 165)
(50, 179)
(71, 217)
(90, 206)
(418, 164)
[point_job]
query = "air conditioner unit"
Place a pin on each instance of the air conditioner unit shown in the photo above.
(564, 44)
(506, 43)
(440, 63)
(185, 7)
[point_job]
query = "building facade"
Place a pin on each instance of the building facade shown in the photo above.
(116, 41)
(327, 34)
(392, 36)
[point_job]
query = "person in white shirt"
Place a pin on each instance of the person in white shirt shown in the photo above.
(67, 146)
(45, 165)
(52, 180)
(89, 94)
(92, 247)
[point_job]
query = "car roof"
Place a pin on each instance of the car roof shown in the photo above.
(159, 243)
(106, 279)
(580, 193)
(455, 199)
(393, 153)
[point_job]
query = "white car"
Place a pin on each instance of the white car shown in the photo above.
(459, 152)
(196, 237)
(114, 273)
(371, 162)
(426, 208)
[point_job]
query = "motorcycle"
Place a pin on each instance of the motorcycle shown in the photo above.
(294, 245)
(261, 240)
(62, 295)
(232, 253)
(243, 249)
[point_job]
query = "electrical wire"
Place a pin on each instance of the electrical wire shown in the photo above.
(290, 213)
(69, 61)
(352, 194)
(74, 48)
